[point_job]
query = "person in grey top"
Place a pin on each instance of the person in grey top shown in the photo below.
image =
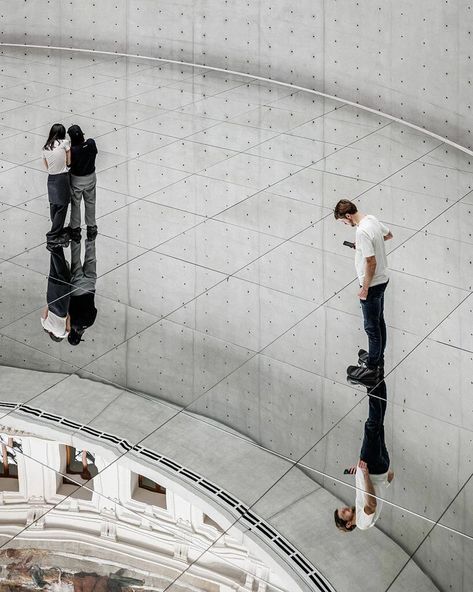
(83, 182)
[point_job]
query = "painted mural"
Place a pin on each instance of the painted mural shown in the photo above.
(24, 570)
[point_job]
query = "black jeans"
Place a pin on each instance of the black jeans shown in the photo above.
(375, 327)
(58, 215)
(59, 194)
(59, 289)
(373, 449)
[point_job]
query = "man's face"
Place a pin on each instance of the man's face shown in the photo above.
(346, 513)
(348, 221)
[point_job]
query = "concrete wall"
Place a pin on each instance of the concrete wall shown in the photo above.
(409, 59)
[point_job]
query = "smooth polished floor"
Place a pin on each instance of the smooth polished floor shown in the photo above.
(225, 292)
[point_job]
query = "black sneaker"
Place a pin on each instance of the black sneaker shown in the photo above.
(91, 232)
(364, 375)
(363, 359)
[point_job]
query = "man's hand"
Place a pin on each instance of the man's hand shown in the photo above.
(390, 476)
(363, 294)
(363, 466)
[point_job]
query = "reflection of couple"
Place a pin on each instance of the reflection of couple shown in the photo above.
(70, 294)
(77, 156)
(372, 474)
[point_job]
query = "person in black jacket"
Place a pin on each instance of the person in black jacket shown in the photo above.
(83, 182)
(82, 311)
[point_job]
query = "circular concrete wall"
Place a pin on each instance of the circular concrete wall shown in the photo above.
(407, 59)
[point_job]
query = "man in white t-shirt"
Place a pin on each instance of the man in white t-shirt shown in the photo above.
(371, 268)
(372, 474)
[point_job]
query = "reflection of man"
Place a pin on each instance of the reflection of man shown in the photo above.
(55, 317)
(372, 474)
(82, 309)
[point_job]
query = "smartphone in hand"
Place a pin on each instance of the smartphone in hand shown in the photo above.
(349, 244)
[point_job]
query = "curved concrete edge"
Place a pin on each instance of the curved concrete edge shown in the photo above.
(257, 487)
(252, 77)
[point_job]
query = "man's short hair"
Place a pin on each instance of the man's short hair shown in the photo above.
(344, 207)
(342, 524)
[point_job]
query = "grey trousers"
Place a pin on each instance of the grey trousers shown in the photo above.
(83, 275)
(83, 187)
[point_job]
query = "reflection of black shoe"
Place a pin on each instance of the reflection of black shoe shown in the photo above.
(364, 375)
(60, 241)
(76, 235)
(91, 232)
(73, 234)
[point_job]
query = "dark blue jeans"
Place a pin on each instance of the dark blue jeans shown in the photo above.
(375, 327)
(373, 449)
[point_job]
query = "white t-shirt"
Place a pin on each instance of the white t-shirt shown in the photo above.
(380, 482)
(370, 234)
(56, 158)
(55, 324)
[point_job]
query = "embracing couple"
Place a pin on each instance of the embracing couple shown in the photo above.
(71, 167)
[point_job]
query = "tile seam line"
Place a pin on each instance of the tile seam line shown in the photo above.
(251, 77)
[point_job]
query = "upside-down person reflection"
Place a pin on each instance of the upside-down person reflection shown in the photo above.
(82, 309)
(372, 474)
(55, 316)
